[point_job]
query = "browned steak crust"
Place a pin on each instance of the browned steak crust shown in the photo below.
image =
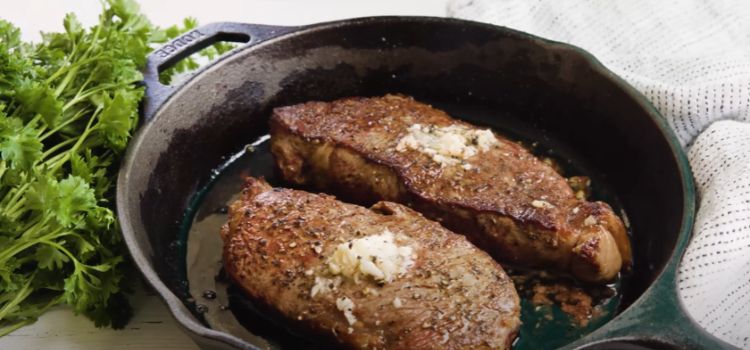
(503, 199)
(454, 296)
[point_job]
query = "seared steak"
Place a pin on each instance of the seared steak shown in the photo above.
(377, 278)
(474, 181)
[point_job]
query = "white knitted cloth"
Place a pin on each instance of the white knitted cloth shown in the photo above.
(692, 60)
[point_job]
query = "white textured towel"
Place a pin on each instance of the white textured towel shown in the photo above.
(692, 60)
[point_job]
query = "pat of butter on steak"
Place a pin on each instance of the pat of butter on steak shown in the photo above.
(448, 145)
(376, 256)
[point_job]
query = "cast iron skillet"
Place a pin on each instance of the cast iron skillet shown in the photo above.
(561, 91)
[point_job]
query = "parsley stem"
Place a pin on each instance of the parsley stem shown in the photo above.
(64, 250)
(20, 296)
(82, 97)
(7, 254)
(68, 78)
(56, 147)
(18, 208)
(9, 329)
(67, 122)
(93, 40)
(16, 325)
(66, 68)
(52, 162)
(16, 195)
(57, 73)
(83, 137)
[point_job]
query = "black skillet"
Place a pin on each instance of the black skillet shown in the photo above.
(554, 93)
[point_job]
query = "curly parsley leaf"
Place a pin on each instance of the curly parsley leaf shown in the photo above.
(19, 144)
(38, 100)
(50, 258)
(116, 119)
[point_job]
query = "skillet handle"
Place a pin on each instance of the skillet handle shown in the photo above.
(657, 320)
(190, 43)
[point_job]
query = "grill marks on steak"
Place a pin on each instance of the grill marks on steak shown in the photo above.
(454, 296)
(506, 201)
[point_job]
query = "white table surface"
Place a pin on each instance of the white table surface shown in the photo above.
(152, 326)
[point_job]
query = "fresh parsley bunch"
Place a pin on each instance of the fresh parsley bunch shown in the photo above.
(68, 106)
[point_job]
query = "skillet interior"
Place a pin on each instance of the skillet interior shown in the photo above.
(515, 79)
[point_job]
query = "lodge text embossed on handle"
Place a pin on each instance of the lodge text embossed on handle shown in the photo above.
(179, 42)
